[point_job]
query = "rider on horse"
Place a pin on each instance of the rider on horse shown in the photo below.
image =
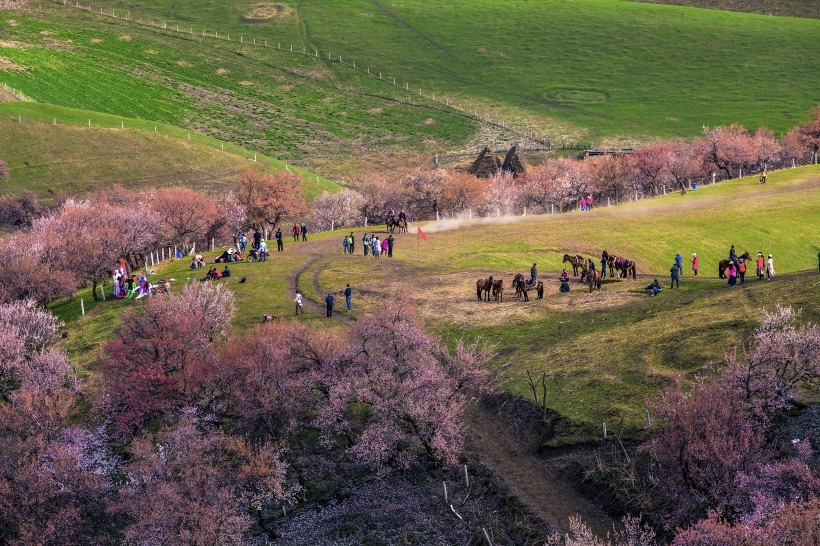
(733, 254)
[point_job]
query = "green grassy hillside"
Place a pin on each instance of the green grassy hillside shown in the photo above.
(293, 107)
(590, 69)
(76, 158)
(603, 352)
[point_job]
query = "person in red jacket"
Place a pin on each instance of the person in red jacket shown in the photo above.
(761, 263)
(741, 270)
(695, 263)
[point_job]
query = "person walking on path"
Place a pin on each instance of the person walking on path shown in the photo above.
(731, 272)
(695, 263)
(304, 231)
(770, 268)
(351, 241)
(390, 246)
(365, 243)
(298, 301)
(257, 238)
(741, 270)
(295, 231)
(582, 204)
(348, 296)
(280, 244)
(329, 302)
(345, 244)
(675, 272)
(589, 201)
(761, 265)
(679, 262)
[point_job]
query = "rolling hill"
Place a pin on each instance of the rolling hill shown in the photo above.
(75, 158)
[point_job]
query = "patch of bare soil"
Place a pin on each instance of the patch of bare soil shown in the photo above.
(6, 64)
(13, 22)
(376, 111)
(14, 45)
(125, 38)
(264, 11)
(286, 88)
(313, 74)
(245, 83)
(222, 71)
(429, 121)
(96, 40)
(6, 96)
(183, 63)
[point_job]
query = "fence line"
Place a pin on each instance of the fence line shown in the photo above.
(263, 43)
(17, 94)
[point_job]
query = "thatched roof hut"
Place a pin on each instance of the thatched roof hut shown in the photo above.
(486, 164)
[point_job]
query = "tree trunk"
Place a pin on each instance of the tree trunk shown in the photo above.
(94, 290)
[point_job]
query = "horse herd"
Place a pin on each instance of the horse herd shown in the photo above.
(590, 276)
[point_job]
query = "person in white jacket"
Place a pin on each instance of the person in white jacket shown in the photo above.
(298, 301)
(770, 268)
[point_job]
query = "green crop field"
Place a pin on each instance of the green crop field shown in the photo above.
(292, 107)
(52, 149)
(603, 353)
(597, 70)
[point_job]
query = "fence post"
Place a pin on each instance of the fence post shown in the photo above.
(82, 306)
(102, 292)
(604, 430)
(365, 221)
(714, 175)
(332, 225)
(740, 174)
(648, 421)
(608, 202)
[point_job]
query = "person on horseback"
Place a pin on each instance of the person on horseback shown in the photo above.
(391, 214)
(403, 215)
(733, 254)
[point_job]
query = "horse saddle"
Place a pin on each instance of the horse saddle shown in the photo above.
(530, 283)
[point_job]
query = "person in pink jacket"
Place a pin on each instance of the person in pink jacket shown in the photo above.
(731, 272)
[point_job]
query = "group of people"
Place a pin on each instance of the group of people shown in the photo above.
(330, 301)
(585, 203)
(128, 285)
(214, 274)
(299, 229)
(371, 244)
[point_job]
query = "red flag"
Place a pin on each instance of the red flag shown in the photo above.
(421, 234)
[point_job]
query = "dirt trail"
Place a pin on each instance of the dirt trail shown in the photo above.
(527, 475)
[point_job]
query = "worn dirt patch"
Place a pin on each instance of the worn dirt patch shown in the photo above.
(151, 51)
(14, 45)
(6, 64)
(13, 22)
(264, 11)
(286, 88)
(96, 40)
(45, 33)
(482, 50)
(125, 38)
(222, 71)
(183, 63)
(313, 74)
(245, 83)
(366, 14)
(376, 111)
(428, 121)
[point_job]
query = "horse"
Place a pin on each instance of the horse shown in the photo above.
(724, 264)
(522, 288)
(484, 285)
(592, 278)
(498, 290)
(623, 266)
(402, 225)
(391, 224)
(578, 262)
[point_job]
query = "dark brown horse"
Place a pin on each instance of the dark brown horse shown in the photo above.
(484, 286)
(624, 266)
(578, 263)
(522, 288)
(592, 277)
(391, 224)
(402, 225)
(724, 264)
(498, 290)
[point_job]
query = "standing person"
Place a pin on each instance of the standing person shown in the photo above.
(741, 270)
(731, 272)
(770, 268)
(350, 242)
(760, 266)
(582, 204)
(695, 263)
(762, 177)
(243, 243)
(365, 243)
(348, 296)
(280, 244)
(679, 262)
(390, 247)
(345, 244)
(376, 247)
(675, 272)
(304, 231)
(257, 238)
(295, 231)
(533, 274)
(589, 201)
(329, 302)
(604, 260)
(263, 251)
(298, 301)
(818, 260)
(385, 244)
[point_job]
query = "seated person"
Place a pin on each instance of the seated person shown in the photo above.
(194, 264)
(564, 285)
(217, 274)
(655, 287)
(226, 272)
(564, 276)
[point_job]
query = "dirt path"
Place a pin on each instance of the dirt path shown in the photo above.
(319, 257)
(528, 475)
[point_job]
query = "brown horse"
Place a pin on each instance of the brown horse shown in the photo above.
(623, 266)
(498, 290)
(724, 264)
(522, 288)
(391, 224)
(592, 278)
(402, 225)
(577, 262)
(483, 287)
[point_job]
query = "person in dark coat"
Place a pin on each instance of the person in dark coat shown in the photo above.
(679, 262)
(257, 238)
(533, 274)
(564, 286)
(280, 245)
(304, 231)
(733, 254)
(226, 272)
(348, 297)
(604, 260)
(329, 302)
(390, 246)
(674, 271)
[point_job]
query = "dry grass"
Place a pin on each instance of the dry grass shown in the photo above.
(265, 11)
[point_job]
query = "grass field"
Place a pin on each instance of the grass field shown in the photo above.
(77, 159)
(788, 8)
(593, 69)
(603, 353)
(292, 107)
